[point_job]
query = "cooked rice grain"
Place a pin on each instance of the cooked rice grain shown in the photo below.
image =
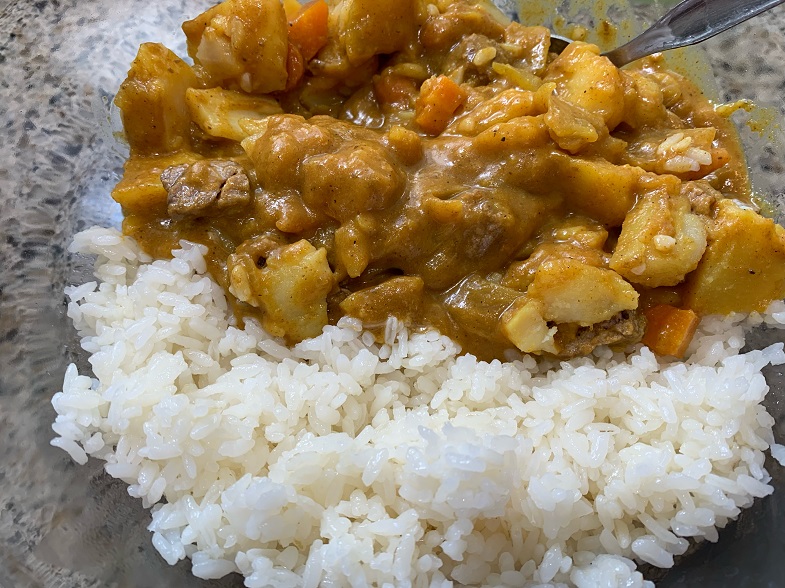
(345, 462)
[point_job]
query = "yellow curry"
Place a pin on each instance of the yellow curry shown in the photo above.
(434, 162)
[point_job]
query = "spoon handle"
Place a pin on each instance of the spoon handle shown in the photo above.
(690, 22)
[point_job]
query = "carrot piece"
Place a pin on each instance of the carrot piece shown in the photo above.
(439, 98)
(669, 330)
(308, 30)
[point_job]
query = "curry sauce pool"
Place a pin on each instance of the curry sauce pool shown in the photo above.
(447, 181)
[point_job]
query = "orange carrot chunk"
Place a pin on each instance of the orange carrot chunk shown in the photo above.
(439, 98)
(669, 330)
(308, 30)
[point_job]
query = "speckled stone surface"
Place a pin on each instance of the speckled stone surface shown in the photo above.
(63, 525)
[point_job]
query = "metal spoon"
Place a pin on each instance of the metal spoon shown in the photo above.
(687, 23)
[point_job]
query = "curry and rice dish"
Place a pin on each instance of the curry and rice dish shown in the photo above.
(340, 221)
(434, 164)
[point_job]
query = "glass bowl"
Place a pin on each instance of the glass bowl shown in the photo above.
(61, 63)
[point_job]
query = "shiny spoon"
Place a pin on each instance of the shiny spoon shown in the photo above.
(687, 23)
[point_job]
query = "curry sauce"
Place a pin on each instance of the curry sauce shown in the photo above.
(436, 163)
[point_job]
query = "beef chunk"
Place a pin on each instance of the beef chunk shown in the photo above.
(622, 329)
(205, 188)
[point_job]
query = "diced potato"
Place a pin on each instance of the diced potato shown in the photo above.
(586, 79)
(643, 102)
(241, 42)
(502, 107)
(152, 101)
(573, 292)
(400, 297)
(520, 274)
(140, 191)
(571, 127)
(525, 327)
(597, 188)
(661, 240)
(525, 132)
(743, 269)
(218, 112)
(291, 288)
(374, 27)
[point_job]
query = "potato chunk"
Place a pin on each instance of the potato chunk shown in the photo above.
(291, 288)
(661, 241)
(525, 327)
(573, 292)
(586, 79)
(743, 269)
(373, 27)
(152, 101)
(597, 188)
(218, 112)
(243, 43)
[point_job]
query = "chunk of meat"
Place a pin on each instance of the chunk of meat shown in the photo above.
(241, 44)
(625, 328)
(291, 289)
(743, 269)
(205, 187)
(442, 31)
(661, 240)
(358, 177)
(643, 101)
(152, 102)
(280, 146)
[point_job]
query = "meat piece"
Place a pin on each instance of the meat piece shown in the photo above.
(205, 187)
(625, 328)
(442, 31)
(360, 176)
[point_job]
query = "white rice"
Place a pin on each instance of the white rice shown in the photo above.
(345, 463)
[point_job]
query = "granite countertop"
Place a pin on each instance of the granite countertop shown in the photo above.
(60, 63)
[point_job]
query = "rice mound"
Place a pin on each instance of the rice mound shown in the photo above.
(347, 463)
